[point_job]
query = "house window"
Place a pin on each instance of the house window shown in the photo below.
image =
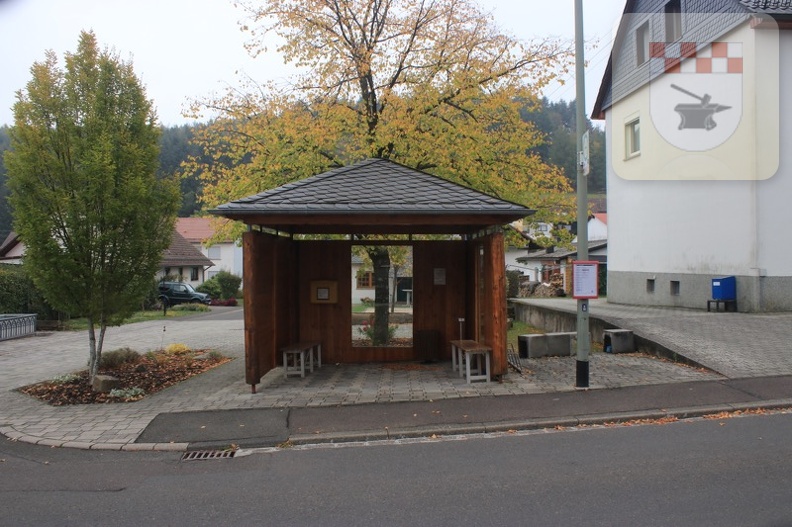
(365, 280)
(674, 288)
(673, 20)
(650, 285)
(642, 43)
(632, 137)
(213, 252)
(194, 274)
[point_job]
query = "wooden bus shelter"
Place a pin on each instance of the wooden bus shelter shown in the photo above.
(458, 272)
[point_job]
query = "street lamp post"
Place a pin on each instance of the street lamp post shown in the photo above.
(583, 339)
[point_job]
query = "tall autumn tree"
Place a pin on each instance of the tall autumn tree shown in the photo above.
(431, 84)
(86, 202)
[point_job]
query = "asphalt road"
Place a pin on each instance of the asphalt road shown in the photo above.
(720, 472)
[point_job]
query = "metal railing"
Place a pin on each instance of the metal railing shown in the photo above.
(14, 326)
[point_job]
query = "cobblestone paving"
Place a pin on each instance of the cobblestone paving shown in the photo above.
(730, 344)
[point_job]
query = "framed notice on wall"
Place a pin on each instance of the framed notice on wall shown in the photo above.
(585, 279)
(324, 292)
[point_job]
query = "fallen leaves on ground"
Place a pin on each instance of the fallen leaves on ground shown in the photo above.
(737, 413)
(636, 422)
(152, 373)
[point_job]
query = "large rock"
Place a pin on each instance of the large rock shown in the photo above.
(105, 383)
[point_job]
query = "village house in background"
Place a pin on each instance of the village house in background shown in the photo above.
(180, 261)
(363, 283)
(226, 255)
(12, 249)
(553, 265)
(183, 263)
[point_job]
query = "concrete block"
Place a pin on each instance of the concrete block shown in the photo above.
(618, 341)
(105, 383)
(560, 344)
(546, 345)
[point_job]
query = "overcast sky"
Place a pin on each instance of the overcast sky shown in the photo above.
(185, 49)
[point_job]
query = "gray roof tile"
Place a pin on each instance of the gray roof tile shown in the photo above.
(372, 186)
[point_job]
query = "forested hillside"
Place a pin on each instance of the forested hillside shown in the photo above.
(557, 121)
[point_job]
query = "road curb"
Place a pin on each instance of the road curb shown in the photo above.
(682, 413)
(396, 433)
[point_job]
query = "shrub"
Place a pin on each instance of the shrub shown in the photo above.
(127, 393)
(21, 296)
(367, 329)
(115, 358)
(223, 285)
(513, 283)
(211, 287)
(66, 378)
(214, 356)
(177, 349)
(229, 284)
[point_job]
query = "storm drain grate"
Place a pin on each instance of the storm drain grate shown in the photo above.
(207, 454)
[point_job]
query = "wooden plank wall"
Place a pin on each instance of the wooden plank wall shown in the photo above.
(269, 301)
(438, 307)
(329, 323)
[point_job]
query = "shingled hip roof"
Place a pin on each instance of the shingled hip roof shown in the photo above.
(182, 252)
(371, 187)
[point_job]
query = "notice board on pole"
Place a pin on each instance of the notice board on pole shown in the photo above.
(585, 279)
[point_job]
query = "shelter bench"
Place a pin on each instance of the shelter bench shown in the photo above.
(295, 355)
(464, 351)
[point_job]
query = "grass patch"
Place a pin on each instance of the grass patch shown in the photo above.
(520, 328)
(81, 324)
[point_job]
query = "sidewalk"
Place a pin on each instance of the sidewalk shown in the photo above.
(346, 402)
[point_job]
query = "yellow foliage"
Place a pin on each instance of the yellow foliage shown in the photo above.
(434, 86)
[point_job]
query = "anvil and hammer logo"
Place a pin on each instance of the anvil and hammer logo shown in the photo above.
(696, 100)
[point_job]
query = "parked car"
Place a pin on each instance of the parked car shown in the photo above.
(172, 293)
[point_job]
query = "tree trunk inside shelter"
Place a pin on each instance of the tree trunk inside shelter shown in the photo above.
(380, 259)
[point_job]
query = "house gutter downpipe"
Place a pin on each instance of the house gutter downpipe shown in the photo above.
(583, 339)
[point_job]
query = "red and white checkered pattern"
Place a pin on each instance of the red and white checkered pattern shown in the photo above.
(692, 57)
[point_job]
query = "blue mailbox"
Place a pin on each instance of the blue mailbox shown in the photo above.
(724, 288)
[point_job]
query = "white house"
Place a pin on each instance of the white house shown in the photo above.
(12, 249)
(183, 262)
(363, 282)
(696, 105)
(598, 226)
(225, 255)
(180, 261)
